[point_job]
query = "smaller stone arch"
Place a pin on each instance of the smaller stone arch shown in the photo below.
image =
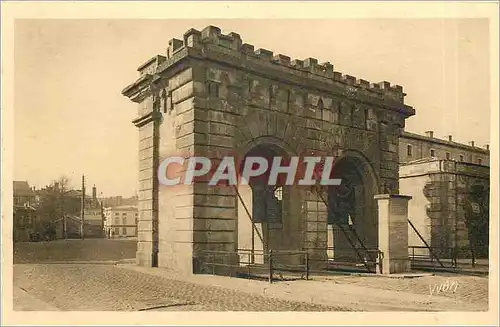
(352, 205)
(363, 162)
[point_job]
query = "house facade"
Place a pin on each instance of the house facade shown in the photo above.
(25, 219)
(121, 221)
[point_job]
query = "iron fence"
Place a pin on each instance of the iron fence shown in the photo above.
(284, 265)
(360, 257)
(447, 257)
(255, 264)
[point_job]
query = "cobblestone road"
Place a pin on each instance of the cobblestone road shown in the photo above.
(472, 289)
(106, 287)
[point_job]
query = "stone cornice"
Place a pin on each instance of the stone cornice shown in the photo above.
(138, 90)
(151, 116)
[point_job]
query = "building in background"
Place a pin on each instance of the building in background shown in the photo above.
(114, 201)
(414, 147)
(69, 225)
(94, 216)
(25, 219)
(121, 221)
(23, 193)
(449, 184)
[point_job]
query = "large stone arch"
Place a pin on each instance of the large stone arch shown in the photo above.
(255, 235)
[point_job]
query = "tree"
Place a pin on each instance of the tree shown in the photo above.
(55, 201)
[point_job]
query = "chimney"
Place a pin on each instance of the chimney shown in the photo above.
(429, 134)
(471, 143)
(450, 138)
(94, 192)
(487, 146)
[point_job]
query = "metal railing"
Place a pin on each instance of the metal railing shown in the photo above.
(449, 257)
(341, 257)
(258, 264)
(285, 265)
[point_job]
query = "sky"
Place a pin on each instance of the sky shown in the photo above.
(71, 119)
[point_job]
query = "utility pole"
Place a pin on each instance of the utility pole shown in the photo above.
(102, 217)
(61, 201)
(83, 208)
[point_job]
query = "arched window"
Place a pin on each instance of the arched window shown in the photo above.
(320, 104)
(288, 98)
(163, 104)
(213, 89)
(271, 95)
(278, 193)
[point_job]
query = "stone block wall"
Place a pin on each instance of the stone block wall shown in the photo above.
(441, 193)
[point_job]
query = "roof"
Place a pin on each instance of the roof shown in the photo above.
(22, 188)
(411, 135)
(123, 207)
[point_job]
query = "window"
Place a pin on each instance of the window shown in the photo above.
(116, 231)
(124, 214)
(117, 214)
(320, 104)
(288, 95)
(479, 161)
(278, 193)
(270, 91)
(213, 89)
(124, 220)
(409, 151)
(117, 222)
(124, 231)
(433, 153)
(461, 158)
(448, 156)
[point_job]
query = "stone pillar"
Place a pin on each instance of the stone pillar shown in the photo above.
(316, 219)
(393, 232)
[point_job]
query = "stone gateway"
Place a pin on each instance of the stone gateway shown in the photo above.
(212, 95)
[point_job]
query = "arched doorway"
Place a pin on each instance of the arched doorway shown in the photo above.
(352, 215)
(266, 217)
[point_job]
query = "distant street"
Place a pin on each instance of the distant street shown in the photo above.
(75, 250)
(99, 274)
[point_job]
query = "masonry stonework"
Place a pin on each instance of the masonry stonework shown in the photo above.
(450, 206)
(212, 95)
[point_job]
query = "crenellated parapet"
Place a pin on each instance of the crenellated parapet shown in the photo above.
(233, 41)
(233, 45)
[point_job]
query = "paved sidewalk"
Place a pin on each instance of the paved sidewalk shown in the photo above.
(23, 301)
